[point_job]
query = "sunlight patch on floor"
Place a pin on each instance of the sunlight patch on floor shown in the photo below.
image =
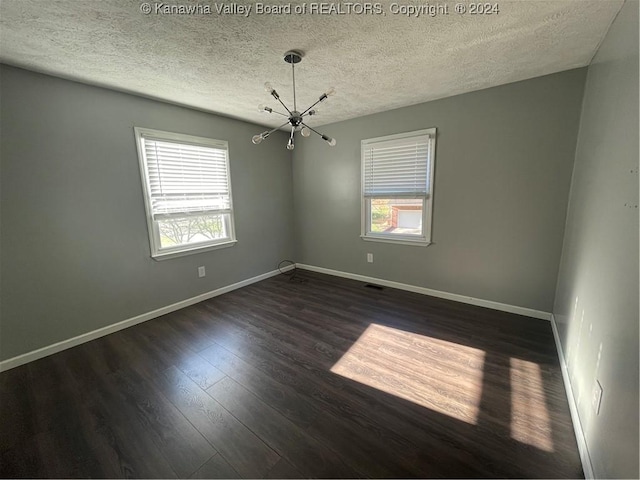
(436, 374)
(529, 415)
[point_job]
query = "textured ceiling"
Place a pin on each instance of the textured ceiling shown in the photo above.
(219, 62)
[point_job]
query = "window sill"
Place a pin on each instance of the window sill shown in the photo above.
(192, 251)
(400, 241)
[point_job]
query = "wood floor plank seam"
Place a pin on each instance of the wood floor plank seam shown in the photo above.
(403, 441)
(214, 420)
(321, 378)
(250, 322)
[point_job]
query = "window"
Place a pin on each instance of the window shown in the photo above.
(397, 184)
(187, 192)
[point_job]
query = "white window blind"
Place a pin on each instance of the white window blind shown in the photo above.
(397, 177)
(187, 192)
(186, 179)
(397, 168)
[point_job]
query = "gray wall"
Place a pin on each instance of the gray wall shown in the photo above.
(596, 306)
(75, 250)
(503, 166)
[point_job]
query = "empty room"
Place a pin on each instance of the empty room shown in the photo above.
(319, 239)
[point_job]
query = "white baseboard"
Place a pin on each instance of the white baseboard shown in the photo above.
(434, 293)
(585, 458)
(101, 332)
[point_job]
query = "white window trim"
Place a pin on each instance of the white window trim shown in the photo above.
(427, 210)
(158, 253)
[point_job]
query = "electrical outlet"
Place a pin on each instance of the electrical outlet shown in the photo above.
(201, 272)
(370, 257)
(596, 399)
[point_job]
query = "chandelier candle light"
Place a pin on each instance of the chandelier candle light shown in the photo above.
(294, 117)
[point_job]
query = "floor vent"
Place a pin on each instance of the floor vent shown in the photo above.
(375, 287)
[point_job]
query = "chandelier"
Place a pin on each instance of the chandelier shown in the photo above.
(295, 118)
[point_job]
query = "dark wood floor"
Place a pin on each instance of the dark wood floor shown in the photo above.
(326, 378)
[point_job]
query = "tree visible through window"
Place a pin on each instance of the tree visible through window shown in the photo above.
(187, 192)
(179, 231)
